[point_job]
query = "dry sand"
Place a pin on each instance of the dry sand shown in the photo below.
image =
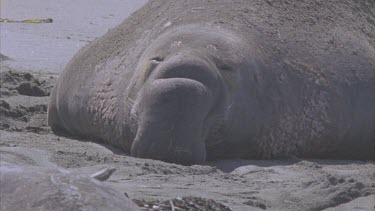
(37, 53)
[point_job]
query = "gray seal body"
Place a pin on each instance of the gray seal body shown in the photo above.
(39, 188)
(186, 81)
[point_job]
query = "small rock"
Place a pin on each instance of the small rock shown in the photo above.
(5, 126)
(24, 119)
(359, 185)
(341, 180)
(103, 174)
(179, 198)
(29, 89)
(34, 129)
(256, 204)
(332, 180)
(28, 76)
(4, 104)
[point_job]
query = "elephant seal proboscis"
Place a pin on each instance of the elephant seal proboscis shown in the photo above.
(186, 81)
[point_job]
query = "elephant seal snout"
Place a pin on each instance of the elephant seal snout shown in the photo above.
(170, 127)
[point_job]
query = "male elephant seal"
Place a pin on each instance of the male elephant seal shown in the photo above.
(186, 81)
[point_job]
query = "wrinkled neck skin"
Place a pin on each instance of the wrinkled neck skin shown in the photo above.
(180, 92)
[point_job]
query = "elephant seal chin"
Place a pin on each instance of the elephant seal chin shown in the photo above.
(180, 95)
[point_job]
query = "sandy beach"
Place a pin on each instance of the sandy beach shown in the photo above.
(33, 56)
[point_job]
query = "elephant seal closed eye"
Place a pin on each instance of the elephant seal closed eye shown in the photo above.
(186, 81)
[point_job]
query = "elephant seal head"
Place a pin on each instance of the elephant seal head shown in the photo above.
(183, 83)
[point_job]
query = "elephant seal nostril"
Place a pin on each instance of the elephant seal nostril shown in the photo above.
(181, 66)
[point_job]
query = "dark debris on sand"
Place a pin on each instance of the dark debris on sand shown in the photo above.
(185, 203)
(23, 101)
(23, 83)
